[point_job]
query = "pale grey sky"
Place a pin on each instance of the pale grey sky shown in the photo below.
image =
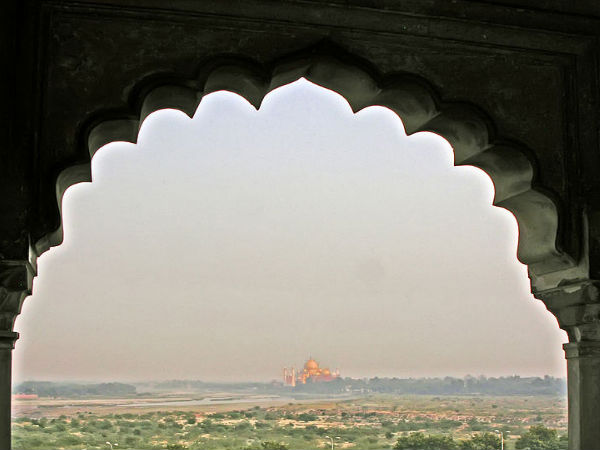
(227, 246)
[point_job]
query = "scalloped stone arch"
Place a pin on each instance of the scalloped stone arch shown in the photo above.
(468, 130)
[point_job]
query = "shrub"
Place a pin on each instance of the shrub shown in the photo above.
(538, 437)
(418, 441)
(307, 417)
(67, 441)
(274, 445)
(484, 441)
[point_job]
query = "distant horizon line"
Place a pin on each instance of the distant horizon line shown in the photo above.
(263, 381)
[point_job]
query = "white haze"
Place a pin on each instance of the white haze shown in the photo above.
(227, 246)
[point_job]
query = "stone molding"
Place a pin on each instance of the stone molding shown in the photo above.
(579, 350)
(8, 339)
(577, 309)
(16, 279)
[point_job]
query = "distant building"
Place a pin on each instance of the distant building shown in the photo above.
(311, 373)
(24, 396)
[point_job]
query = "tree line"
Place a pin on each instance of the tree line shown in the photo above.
(52, 389)
(513, 385)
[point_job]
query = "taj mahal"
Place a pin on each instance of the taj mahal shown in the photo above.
(311, 373)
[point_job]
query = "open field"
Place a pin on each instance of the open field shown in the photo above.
(238, 421)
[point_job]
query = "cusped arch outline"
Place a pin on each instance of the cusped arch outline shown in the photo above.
(468, 130)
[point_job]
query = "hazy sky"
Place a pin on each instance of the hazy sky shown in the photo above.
(227, 246)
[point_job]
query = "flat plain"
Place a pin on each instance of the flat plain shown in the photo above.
(226, 420)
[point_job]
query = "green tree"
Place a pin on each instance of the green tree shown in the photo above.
(307, 417)
(538, 437)
(418, 441)
(484, 441)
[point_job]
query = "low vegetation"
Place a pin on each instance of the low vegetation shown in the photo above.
(371, 422)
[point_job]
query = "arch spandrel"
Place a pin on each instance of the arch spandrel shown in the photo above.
(468, 130)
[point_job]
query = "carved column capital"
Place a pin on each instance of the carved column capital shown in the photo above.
(8, 339)
(586, 349)
(577, 308)
(16, 278)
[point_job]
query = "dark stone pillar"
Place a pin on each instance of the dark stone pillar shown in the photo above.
(7, 343)
(15, 284)
(577, 308)
(583, 365)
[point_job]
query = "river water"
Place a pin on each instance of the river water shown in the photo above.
(212, 401)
